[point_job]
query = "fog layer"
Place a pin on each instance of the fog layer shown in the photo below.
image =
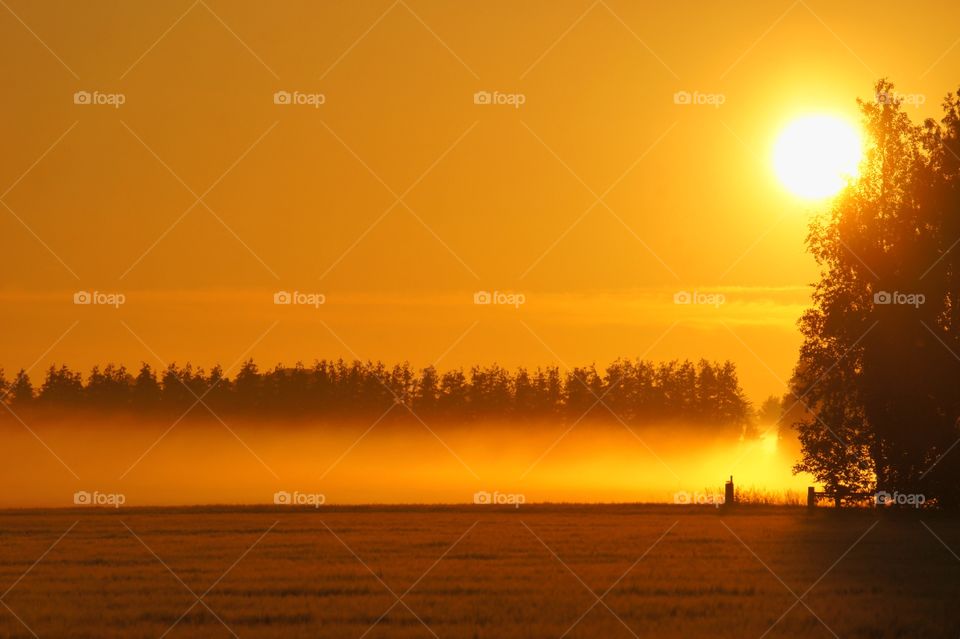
(209, 462)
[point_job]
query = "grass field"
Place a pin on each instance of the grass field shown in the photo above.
(482, 571)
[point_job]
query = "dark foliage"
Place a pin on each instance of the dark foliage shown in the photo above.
(879, 367)
(630, 391)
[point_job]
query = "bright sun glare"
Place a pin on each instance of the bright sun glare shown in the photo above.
(816, 155)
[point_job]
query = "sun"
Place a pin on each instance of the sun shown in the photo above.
(816, 155)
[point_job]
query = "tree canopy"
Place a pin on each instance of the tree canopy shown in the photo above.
(629, 390)
(879, 367)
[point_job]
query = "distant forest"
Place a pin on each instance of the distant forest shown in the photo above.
(631, 390)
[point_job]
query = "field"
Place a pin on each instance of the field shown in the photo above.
(476, 572)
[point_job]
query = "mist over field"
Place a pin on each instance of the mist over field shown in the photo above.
(203, 461)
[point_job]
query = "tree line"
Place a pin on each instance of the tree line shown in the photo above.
(631, 390)
(875, 396)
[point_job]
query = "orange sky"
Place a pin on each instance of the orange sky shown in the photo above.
(491, 197)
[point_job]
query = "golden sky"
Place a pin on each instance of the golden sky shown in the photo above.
(598, 198)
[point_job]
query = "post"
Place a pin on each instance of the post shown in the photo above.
(811, 497)
(729, 497)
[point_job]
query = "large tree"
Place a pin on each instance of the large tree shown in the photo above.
(880, 360)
